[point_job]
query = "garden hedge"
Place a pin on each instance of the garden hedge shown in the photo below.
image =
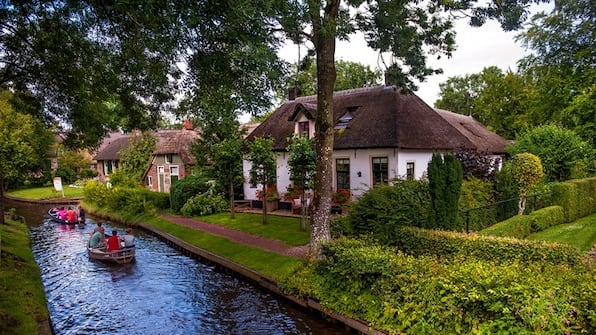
(520, 226)
(418, 242)
(403, 294)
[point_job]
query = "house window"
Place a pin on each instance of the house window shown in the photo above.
(303, 130)
(342, 171)
(169, 158)
(410, 170)
(116, 165)
(174, 174)
(149, 181)
(380, 167)
(109, 167)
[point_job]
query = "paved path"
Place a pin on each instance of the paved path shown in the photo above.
(240, 236)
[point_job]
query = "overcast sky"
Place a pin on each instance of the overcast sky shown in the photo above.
(477, 48)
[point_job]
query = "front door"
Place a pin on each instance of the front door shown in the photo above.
(161, 177)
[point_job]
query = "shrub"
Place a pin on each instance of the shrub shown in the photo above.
(399, 293)
(380, 210)
(518, 226)
(204, 204)
(187, 188)
(564, 195)
(476, 193)
(546, 217)
(416, 241)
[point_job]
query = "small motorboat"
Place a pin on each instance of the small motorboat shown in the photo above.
(53, 213)
(122, 256)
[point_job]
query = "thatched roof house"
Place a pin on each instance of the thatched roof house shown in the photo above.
(169, 162)
(380, 134)
(382, 117)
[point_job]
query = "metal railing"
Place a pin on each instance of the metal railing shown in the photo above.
(479, 218)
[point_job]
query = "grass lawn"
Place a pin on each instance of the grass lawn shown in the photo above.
(268, 263)
(286, 229)
(580, 234)
(22, 299)
(43, 193)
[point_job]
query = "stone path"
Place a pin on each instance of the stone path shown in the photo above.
(240, 236)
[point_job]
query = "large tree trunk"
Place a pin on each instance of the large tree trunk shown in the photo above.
(324, 31)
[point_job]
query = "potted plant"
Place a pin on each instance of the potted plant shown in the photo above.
(272, 197)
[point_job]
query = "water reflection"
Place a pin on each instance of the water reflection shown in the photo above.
(162, 292)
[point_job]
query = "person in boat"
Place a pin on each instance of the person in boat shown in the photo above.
(71, 215)
(82, 217)
(114, 241)
(128, 238)
(62, 213)
(97, 240)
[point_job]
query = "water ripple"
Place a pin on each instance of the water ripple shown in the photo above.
(162, 292)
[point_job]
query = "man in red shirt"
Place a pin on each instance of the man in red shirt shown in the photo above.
(114, 241)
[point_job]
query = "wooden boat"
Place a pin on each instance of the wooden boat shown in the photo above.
(122, 256)
(53, 213)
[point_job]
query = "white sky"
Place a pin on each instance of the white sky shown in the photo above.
(477, 48)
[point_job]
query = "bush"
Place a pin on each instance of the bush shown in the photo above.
(416, 241)
(564, 195)
(476, 193)
(518, 226)
(187, 188)
(546, 217)
(205, 204)
(399, 293)
(380, 210)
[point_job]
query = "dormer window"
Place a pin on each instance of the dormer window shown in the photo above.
(303, 129)
(345, 119)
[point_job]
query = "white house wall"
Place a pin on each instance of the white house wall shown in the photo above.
(360, 161)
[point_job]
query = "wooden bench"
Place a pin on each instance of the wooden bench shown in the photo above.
(297, 205)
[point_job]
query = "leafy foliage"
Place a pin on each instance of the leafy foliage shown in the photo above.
(187, 188)
(445, 178)
(263, 168)
(380, 211)
(391, 290)
(526, 170)
(477, 164)
(204, 204)
(562, 153)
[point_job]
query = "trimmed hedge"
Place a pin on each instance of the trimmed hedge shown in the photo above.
(521, 226)
(402, 294)
(416, 241)
(518, 226)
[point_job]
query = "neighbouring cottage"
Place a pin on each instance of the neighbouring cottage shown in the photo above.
(380, 134)
(171, 160)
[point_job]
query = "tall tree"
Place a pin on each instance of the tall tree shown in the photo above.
(302, 164)
(562, 152)
(303, 77)
(263, 168)
(227, 166)
(134, 160)
(527, 172)
(403, 29)
(445, 176)
(24, 143)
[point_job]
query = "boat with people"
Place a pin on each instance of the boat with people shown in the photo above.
(68, 215)
(111, 248)
(122, 256)
(63, 215)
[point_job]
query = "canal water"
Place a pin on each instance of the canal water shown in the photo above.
(162, 292)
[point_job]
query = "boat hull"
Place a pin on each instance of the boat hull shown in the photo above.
(122, 256)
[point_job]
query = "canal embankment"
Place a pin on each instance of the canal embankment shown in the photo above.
(257, 276)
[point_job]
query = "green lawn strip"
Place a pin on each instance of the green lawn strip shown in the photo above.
(270, 264)
(286, 229)
(43, 193)
(581, 234)
(22, 299)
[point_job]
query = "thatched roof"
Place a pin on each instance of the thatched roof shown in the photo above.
(171, 141)
(381, 117)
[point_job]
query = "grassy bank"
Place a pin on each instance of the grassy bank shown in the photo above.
(45, 193)
(580, 234)
(23, 308)
(270, 264)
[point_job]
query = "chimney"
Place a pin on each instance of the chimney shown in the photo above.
(187, 124)
(292, 93)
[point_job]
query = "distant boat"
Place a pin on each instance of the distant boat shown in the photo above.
(53, 213)
(122, 256)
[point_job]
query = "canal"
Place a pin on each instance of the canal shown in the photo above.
(162, 292)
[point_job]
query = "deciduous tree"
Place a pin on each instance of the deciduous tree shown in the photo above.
(302, 163)
(263, 168)
(527, 172)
